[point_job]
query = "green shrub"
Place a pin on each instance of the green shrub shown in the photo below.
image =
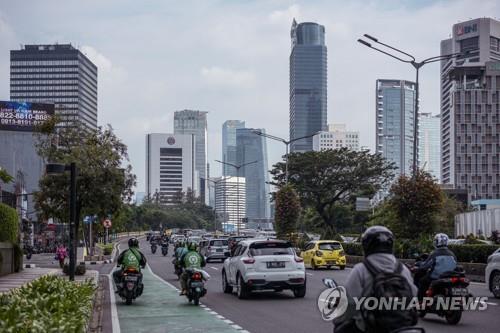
(107, 249)
(48, 304)
(477, 253)
(80, 269)
(353, 249)
(9, 226)
(471, 239)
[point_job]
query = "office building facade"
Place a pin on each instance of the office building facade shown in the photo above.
(253, 148)
(230, 203)
(229, 145)
(58, 74)
(429, 144)
(170, 166)
(308, 83)
(394, 109)
(194, 122)
(336, 137)
(470, 109)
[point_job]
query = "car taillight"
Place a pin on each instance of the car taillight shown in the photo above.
(248, 261)
(341, 253)
(298, 259)
(196, 276)
(429, 292)
(319, 253)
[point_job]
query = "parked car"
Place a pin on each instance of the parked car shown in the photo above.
(215, 249)
(492, 273)
(264, 265)
(324, 253)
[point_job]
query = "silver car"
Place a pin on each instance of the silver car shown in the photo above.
(492, 273)
(215, 249)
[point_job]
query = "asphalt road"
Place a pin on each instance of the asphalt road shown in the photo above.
(281, 312)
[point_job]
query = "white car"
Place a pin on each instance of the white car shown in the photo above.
(259, 264)
(492, 273)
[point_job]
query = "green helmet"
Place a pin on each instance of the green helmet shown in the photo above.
(192, 246)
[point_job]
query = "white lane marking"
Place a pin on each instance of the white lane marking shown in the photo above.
(478, 283)
(227, 321)
(237, 327)
(309, 274)
(214, 268)
(115, 323)
(220, 317)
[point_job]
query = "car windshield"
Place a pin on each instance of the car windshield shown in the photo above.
(330, 246)
(270, 248)
(220, 242)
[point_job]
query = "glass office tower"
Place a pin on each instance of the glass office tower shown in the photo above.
(229, 145)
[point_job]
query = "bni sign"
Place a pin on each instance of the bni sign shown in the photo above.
(465, 29)
(23, 116)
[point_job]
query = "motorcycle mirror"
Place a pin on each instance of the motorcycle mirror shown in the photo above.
(330, 283)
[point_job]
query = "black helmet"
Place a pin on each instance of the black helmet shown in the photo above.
(133, 242)
(377, 239)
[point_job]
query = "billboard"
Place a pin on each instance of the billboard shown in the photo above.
(23, 116)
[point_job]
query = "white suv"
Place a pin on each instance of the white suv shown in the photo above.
(492, 273)
(258, 264)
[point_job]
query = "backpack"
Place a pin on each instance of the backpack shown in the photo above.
(130, 260)
(389, 285)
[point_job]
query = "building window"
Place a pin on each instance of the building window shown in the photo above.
(469, 44)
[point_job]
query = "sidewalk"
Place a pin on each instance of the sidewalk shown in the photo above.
(161, 309)
(16, 280)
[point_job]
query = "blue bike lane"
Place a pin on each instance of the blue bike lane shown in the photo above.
(160, 309)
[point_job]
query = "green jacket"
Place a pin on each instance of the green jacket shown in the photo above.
(192, 259)
(132, 258)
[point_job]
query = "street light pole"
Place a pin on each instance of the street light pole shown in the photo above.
(417, 65)
(237, 167)
(287, 145)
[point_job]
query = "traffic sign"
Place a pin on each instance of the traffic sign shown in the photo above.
(107, 223)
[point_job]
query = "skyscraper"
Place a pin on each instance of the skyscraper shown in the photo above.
(336, 137)
(58, 74)
(253, 148)
(470, 109)
(308, 83)
(229, 145)
(170, 165)
(195, 122)
(230, 202)
(394, 109)
(429, 144)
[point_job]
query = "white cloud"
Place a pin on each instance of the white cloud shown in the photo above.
(102, 63)
(227, 77)
(286, 15)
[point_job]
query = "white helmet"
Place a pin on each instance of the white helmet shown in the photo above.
(440, 240)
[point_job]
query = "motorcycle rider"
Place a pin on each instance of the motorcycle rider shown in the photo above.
(439, 261)
(130, 258)
(190, 259)
(377, 242)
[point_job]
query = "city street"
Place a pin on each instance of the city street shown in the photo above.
(281, 312)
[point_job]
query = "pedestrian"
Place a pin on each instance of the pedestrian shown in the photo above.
(61, 254)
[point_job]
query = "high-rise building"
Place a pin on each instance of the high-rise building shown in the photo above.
(253, 148)
(170, 166)
(195, 122)
(337, 136)
(394, 109)
(58, 74)
(470, 109)
(429, 144)
(229, 145)
(230, 202)
(308, 83)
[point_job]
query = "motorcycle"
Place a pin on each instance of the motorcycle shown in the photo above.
(330, 283)
(449, 285)
(195, 286)
(164, 249)
(153, 248)
(131, 286)
(177, 269)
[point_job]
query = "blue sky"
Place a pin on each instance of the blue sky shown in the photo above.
(231, 58)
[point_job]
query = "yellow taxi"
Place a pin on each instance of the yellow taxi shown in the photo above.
(323, 253)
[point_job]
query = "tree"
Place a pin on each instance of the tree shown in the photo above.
(9, 224)
(103, 185)
(287, 212)
(416, 202)
(325, 179)
(4, 176)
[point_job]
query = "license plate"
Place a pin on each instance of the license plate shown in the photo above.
(276, 264)
(219, 250)
(196, 284)
(330, 262)
(459, 292)
(131, 278)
